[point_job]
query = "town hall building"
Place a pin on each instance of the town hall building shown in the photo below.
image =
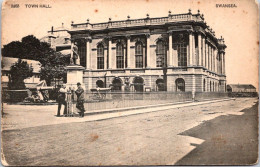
(177, 53)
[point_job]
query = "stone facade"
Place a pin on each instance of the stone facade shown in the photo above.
(175, 53)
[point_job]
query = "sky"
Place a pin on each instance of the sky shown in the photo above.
(238, 25)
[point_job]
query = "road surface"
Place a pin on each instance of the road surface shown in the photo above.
(218, 133)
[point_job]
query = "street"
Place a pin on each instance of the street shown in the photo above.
(219, 133)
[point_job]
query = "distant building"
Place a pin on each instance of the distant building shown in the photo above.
(29, 82)
(241, 88)
(177, 53)
(59, 39)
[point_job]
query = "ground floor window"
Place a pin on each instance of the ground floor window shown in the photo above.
(116, 85)
(138, 84)
(160, 84)
(180, 85)
(100, 84)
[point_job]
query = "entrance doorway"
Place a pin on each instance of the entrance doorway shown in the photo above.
(160, 84)
(138, 84)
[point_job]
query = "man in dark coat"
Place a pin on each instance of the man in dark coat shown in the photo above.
(80, 100)
(62, 100)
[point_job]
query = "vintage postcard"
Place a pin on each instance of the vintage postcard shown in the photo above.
(129, 82)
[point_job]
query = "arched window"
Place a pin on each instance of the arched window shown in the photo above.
(100, 56)
(116, 84)
(138, 84)
(100, 84)
(160, 85)
(119, 56)
(180, 85)
(160, 54)
(138, 55)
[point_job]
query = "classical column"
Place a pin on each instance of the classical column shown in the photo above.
(206, 55)
(110, 53)
(105, 60)
(199, 50)
(213, 60)
(148, 55)
(209, 57)
(170, 50)
(221, 66)
(194, 51)
(224, 70)
(203, 52)
(128, 52)
(124, 52)
(216, 61)
(88, 54)
(144, 59)
(190, 49)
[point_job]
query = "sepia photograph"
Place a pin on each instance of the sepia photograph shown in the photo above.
(129, 82)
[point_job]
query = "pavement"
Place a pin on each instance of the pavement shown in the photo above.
(216, 132)
(21, 116)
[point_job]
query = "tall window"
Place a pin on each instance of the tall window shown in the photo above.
(119, 56)
(182, 53)
(138, 55)
(82, 54)
(160, 54)
(100, 56)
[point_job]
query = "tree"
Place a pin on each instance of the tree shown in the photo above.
(52, 62)
(18, 72)
(29, 48)
(53, 67)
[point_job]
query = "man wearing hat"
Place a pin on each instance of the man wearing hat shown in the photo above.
(62, 100)
(80, 100)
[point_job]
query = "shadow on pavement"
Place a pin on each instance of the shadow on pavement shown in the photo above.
(229, 140)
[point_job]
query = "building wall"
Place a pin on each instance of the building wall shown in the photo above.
(193, 74)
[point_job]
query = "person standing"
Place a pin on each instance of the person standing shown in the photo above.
(80, 100)
(61, 100)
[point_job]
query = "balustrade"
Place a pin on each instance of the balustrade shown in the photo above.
(145, 21)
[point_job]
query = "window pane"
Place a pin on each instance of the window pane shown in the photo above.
(160, 54)
(182, 53)
(139, 55)
(139, 61)
(100, 57)
(139, 49)
(119, 56)
(82, 54)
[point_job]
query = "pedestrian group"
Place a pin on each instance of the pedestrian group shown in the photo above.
(66, 98)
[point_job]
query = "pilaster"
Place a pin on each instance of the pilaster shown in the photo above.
(170, 50)
(199, 50)
(148, 53)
